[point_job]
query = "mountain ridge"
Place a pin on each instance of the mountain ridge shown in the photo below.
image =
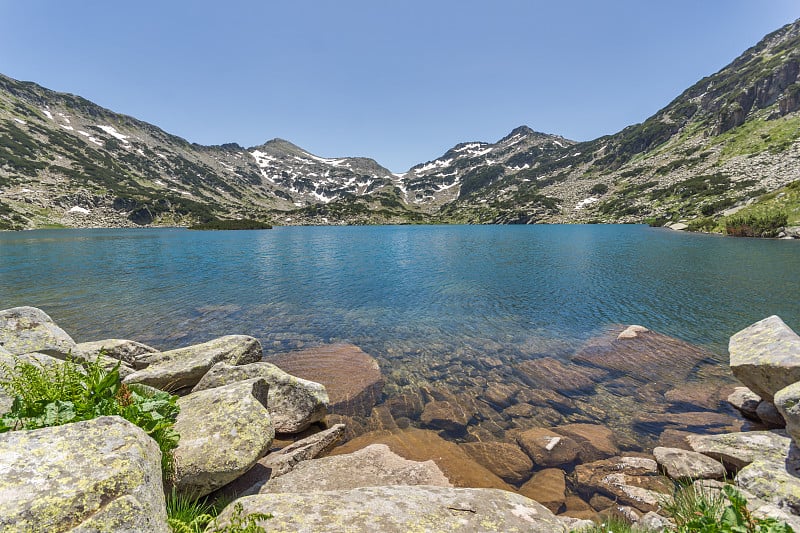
(722, 142)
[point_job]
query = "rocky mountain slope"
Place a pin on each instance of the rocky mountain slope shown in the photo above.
(725, 141)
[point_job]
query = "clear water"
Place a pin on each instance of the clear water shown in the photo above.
(419, 298)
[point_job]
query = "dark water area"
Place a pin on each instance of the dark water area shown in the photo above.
(447, 310)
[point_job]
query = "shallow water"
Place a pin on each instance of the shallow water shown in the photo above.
(431, 303)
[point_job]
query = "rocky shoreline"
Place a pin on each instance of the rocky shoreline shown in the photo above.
(269, 433)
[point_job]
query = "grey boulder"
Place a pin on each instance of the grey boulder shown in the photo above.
(224, 431)
(294, 403)
(787, 401)
(737, 450)
(28, 329)
(184, 367)
(766, 356)
(131, 353)
(685, 465)
(375, 465)
(402, 508)
(745, 401)
(97, 475)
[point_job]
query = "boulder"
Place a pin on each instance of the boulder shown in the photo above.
(745, 401)
(373, 466)
(547, 448)
(737, 450)
(352, 378)
(448, 416)
(506, 460)
(96, 475)
(421, 445)
(683, 465)
(787, 401)
(283, 461)
(766, 356)
(129, 352)
(500, 395)
(224, 431)
(773, 479)
(294, 403)
(184, 367)
(595, 441)
(398, 509)
(633, 481)
(28, 329)
(548, 487)
(769, 415)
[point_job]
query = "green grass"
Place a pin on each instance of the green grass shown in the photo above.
(758, 135)
(68, 391)
(694, 509)
(197, 515)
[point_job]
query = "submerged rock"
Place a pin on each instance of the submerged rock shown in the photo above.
(97, 475)
(28, 329)
(448, 416)
(399, 509)
(548, 487)
(548, 448)
(352, 378)
(422, 445)
(375, 465)
(224, 431)
(595, 441)
(184, 367)
(506, 460)
(766, 356)
(294, 403)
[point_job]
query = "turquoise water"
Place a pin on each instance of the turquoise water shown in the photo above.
(416, 297)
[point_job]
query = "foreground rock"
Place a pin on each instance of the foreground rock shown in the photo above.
(28, 329)
(294, 403)
(787, 401)
(766, 356)
(402, 509)
(98, 475)
(224, 431)
(131, 353)
(352, 378)
(684, 465)
(737, 450)
(283, 461)
(184, 367)
(373, 466)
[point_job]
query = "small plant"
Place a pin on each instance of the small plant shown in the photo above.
(615, 524)
(241, 523)
(69, 391)
(188, 515)
(696, 510)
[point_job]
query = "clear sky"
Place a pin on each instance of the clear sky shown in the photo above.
(398, 81)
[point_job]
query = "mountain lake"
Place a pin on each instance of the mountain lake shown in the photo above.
(456, 309)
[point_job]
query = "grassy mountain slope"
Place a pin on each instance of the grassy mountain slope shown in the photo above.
(730, 138)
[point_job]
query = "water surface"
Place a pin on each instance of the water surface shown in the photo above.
(421, 299)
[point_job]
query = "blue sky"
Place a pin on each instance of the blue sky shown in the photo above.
(400, 82)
